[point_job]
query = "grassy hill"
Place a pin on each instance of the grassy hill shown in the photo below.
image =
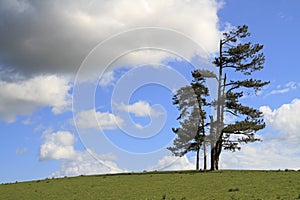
(163, 185)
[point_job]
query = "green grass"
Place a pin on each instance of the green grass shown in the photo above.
(163, 185)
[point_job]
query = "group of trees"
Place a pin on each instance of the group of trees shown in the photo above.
(202, 121)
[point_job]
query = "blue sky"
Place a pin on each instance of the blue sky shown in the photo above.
(87, 87)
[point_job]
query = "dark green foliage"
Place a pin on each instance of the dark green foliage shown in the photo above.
(245, 58)
(190, 101)
(235, 57)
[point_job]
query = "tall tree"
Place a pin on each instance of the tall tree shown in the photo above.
(235, 56)
(190, 101)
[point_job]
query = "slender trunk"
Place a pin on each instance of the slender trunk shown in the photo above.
(214, 151)
(204, 145)
(204, 156)
(197, 160)
(212, 143)
(221, 125)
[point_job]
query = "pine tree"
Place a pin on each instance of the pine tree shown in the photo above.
(190, 101)
(235, 57)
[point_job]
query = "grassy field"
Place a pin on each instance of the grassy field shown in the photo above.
(163, 185)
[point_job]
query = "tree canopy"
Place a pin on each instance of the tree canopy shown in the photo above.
(235, 57)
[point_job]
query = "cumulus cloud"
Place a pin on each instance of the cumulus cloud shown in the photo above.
(139, 109)
(285, 119)
(97, 120)
(55, 36)
(60, 146)
(24, 96)
(278, 150)
(57, 145)
(270, 154)
(173, 163)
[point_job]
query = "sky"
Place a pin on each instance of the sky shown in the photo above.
(86, 86)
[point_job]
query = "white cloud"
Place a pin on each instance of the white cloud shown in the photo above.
(60, 146)
(97, 120)
(81, 25)
(138, 126)
(57, 145)
(291, 84)
(286, 119)
(284, 89)
(23, 97)
(270, 154)
(139, 109)
(107, 78)
(280, 91)
(278, 150)
(137, 58)
(173, 163)
(142, 57)
(85, 164)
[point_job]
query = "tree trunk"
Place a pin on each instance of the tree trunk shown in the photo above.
(217, 163)
(219, 142)
(218, 152)
(215, 152)
(197, 160)
(212, 144)
(213, 159)
(204, 156)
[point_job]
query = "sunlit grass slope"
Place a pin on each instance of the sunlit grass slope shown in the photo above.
(163, 185)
